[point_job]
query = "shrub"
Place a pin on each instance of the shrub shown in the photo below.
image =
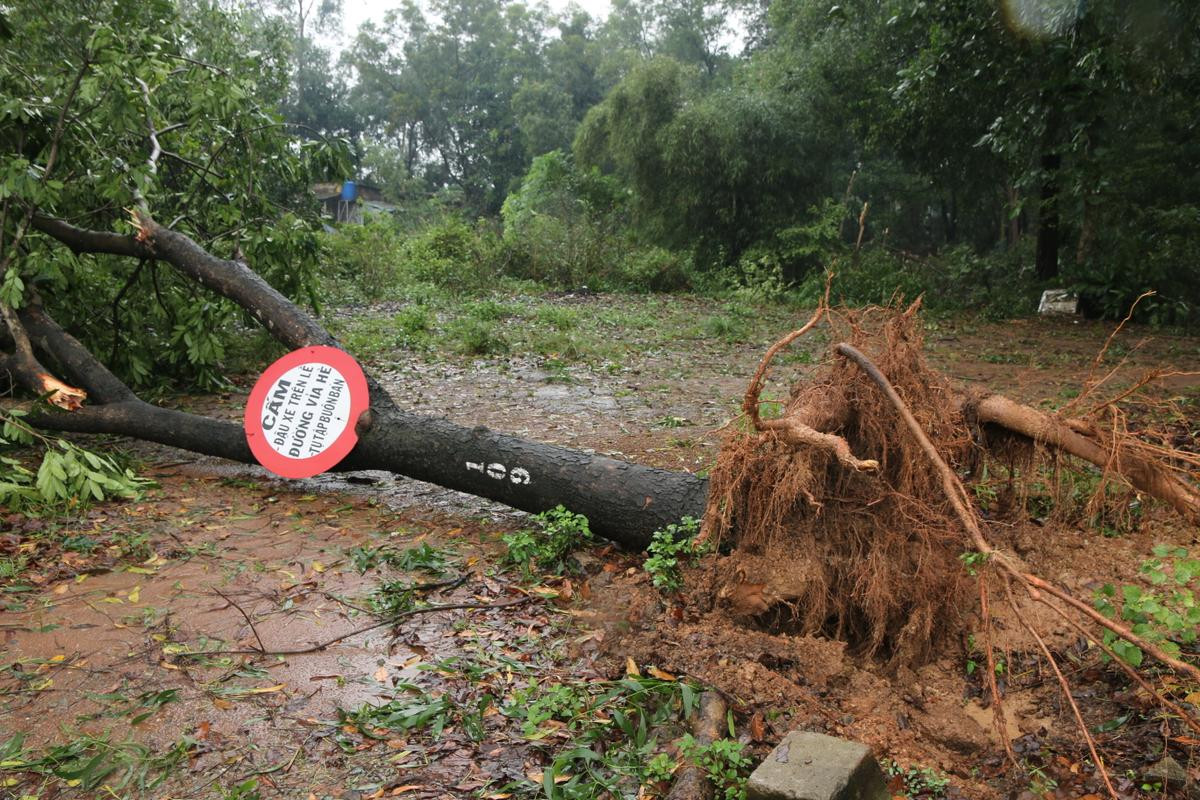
(668, 547)
(548, 546)
(366, 256)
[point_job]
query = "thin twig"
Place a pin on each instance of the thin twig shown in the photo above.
(1065, 691)
(262, 647)
(316, 648)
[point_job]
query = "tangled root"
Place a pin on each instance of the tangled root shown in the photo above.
(878, 545)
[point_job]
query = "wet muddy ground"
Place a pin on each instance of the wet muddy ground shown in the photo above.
(118, 647)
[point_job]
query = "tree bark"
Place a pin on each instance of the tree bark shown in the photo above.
(1048, 233)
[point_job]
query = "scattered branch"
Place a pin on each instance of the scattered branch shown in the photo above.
(391, 620)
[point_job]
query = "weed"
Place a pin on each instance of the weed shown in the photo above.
(612, 727)
(12, 567)
(425, 558)
(489, 310)
(667, 547)
(559, 345)
(972, 560)
(548, 547)
(725, 762)
(673, 422)
(476, 337)
(79, 543)
(1166, 614)
(728, 328)
(562, 319)
(918, 782)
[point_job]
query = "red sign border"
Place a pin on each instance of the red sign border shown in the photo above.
(356, 383)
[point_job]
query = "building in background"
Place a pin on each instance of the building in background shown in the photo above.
(351, 201)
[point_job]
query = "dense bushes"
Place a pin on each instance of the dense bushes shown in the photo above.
(566, 228)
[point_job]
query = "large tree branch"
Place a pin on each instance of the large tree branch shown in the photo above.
(25, 367)
(84, 240)
(625, 502)
(1146, 475)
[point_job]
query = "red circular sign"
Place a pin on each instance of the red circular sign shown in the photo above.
(301, 413)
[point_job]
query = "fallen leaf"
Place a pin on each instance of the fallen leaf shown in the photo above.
(631, 668)
(757, 727)
(222, 703)
(408, 787)
(267, 689)
(381, 675)
(660, 674)
(135, 594)
(318, 566)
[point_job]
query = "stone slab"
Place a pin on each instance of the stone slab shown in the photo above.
(812, 766)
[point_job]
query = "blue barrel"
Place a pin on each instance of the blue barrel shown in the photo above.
(349, 192)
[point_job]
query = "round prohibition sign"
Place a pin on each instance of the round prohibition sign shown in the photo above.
(302, 411)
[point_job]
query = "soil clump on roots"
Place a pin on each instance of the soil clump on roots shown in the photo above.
(866, 556)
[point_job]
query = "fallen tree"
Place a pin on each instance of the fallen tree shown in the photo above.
(624, 502)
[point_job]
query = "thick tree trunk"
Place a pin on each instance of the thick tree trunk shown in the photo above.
(623, 502)
(1048, 234)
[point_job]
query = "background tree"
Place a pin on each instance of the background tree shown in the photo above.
(110, 105)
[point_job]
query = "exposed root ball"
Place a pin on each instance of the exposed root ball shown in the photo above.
(879, 550)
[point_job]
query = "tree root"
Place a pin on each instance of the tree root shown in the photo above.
(1034, 585)
(691, 780)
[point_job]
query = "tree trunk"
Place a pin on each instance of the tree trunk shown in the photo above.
(1047, 237)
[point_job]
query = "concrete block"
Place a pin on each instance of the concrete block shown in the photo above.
(812, 766)
(1058, 301)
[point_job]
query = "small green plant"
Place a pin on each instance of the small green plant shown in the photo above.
(425, 558)
(668, 547)
(660, 768)
(549, 547)
(69, 477)
(611, 729)
(725, 762)
(920, 783)
(246, 790)
(1165, 613)
(972, 560)
(473, 336)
